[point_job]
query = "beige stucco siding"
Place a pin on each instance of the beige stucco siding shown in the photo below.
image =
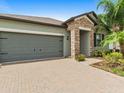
(0, 42)
(18, 25)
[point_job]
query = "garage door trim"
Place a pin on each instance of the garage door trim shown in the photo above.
(30, 32)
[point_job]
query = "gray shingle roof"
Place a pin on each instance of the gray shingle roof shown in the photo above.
(42, 20)
(45, 20)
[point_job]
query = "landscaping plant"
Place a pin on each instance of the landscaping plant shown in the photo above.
(115, 37)
(113, 21)
(97, 53)
(80, 57)
(113, 57)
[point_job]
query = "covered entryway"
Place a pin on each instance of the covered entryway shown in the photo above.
(81, 28)
(85, 42)
(26, 46)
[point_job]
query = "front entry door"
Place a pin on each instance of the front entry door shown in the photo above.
(85, 42)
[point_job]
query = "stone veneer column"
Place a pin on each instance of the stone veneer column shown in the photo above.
(75, 42)
(91, 40)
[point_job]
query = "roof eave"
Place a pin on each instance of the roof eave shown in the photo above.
(87, 14)
(29, 21)
(95, 23)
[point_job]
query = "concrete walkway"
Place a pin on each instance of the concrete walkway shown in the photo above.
(58, 76)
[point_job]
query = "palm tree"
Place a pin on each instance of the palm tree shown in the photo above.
(119, 14)
(114, 12)
(102, 26)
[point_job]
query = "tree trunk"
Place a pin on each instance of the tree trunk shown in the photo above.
(122, 48)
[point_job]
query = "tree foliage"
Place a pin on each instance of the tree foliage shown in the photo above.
(114, 19)
(113, 13)
(114, 37)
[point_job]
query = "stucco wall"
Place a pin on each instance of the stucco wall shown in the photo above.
(9, 24)
(0, 43)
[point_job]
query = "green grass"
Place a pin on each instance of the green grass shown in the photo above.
(118, 71)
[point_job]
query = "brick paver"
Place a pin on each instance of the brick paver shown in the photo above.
(58, 76)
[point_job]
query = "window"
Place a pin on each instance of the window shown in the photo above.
(97, 39)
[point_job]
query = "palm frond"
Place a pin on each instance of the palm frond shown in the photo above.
(114, 37)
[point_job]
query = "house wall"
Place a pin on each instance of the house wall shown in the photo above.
(0, 42)
(112, 46)
(99, 47)
(18, 26)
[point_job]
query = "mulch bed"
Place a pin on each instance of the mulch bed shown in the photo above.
(115, 68)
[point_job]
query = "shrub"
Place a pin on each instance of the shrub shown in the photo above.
(107, 58)
(121, 61)
(80, 57)
(113, 57)
(97, 53)
(106, 52)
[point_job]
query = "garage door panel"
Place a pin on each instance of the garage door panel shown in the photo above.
(22, 46)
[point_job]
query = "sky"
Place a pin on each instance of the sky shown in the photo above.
(58, 9)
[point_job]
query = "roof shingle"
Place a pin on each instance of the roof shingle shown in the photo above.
(43, 20)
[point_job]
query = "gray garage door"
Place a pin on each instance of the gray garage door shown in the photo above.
(15, 47)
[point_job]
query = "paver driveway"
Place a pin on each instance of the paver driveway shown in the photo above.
(58, 76)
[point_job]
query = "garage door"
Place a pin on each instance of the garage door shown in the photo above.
(25, 47)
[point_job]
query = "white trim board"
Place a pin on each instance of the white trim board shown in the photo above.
(86, 29)
(29, 32)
